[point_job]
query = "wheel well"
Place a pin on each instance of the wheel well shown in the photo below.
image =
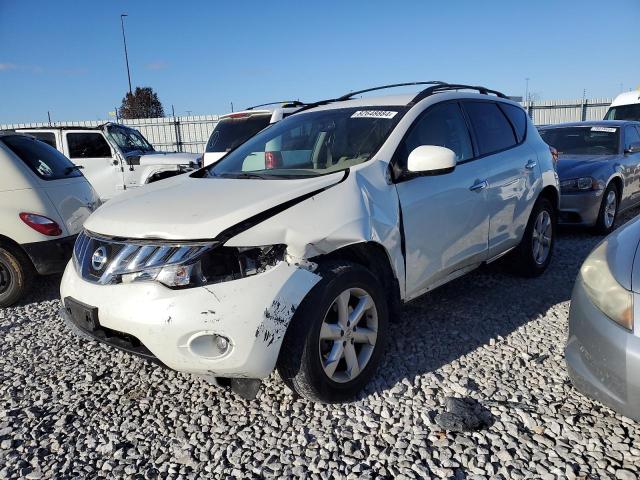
(7, 242)
(374, 257)
(617, 181)
(551, 194)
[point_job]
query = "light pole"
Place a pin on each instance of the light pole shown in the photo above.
(126, 57)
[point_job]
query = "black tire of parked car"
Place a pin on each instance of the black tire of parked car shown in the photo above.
(600, 228)
(524, 263)
(16, 272)
(299, 362)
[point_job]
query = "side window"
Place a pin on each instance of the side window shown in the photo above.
(518, 118)
(87, 145)
(493, 130)
(442, 125)
(47, 137)
(631, 135)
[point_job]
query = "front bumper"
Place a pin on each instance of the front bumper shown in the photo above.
(175, 326)
(580, 208)
(602, 357)
(50, 256)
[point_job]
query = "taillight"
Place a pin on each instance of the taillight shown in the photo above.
(272, 160)
(41, 224)
(554, 154)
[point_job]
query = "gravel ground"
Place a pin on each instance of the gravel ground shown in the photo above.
(76, 408)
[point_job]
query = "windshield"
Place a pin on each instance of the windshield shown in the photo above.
(44, 160)
(233, 131)
(624, 112)
(310, 144)
(582, 140)
(129, 140)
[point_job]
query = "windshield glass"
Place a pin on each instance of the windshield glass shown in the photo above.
(44, 160)
(233, 131)
(582, 140)
(624, 112)
(129, 140)
(310, 144)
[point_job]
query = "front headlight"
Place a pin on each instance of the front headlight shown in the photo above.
(215, 265)
(581, 184)
(603, 289)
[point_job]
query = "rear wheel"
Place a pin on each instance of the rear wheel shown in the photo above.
(15, 275)
(336, 338)
(533, 255)
(608, 210)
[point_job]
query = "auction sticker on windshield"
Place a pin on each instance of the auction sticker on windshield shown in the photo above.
(374, 114)
(603, 129)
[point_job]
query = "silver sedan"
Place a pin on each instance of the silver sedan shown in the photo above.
(599, 170)
(603, 349)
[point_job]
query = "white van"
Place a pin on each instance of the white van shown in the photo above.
(114, 157)
(626, 106)
(44, 201)
(233, 129)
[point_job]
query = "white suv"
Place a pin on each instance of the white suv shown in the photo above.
(237, 269)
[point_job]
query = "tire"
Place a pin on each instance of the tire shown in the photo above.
(608, 210)
(16, 272)
(304, 355)
(529, 261)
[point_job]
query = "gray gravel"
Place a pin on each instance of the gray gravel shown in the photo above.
(75, 408)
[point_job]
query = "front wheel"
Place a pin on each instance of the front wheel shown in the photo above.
(608, 211)
(533, 254)
(336, 338)
(15, 274)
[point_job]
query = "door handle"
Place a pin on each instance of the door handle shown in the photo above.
(531, 164)
(479, 185)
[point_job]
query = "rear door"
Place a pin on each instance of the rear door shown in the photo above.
(499, 133)
(445, 217)
(90, 149)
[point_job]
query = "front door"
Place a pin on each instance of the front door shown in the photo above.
(90, 149)
(445, 217)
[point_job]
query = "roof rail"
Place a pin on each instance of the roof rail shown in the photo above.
(287, 103)
(383, 87)
(347, 96)
(454, 86)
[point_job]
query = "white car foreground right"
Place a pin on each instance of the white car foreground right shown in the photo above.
(296, 249)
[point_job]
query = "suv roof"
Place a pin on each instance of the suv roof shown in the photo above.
(592, 123)
(627, 98)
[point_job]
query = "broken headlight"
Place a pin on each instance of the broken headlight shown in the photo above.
(215, 265)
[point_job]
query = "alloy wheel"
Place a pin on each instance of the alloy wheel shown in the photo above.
(610, 207)
(348, 335)
(541, 238)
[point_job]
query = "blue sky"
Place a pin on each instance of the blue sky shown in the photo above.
(67, 56)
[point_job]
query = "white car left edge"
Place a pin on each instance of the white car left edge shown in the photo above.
(299, 263)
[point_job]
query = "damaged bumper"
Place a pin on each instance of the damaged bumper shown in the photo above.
(182, 328)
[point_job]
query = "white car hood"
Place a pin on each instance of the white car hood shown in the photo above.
(168, 158)
(186, 208)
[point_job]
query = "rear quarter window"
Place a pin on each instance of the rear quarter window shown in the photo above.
(518, 118)
(492, 129)
(43, 160)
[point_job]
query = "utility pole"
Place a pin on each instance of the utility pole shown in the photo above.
(232, 107)
(49, 115)
(526, 92)
(126, 56)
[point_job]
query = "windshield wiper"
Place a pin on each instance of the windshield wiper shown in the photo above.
(243, 175)
(68, 170)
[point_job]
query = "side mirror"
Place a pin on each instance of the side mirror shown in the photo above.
(633, 148)
(431, 160)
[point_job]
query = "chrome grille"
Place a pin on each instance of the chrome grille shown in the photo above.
(123, 257)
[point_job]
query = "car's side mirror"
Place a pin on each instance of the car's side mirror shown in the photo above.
(431, 160)
(633, 148)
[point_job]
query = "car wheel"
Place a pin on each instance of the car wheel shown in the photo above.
(608, 211)
(15, 274)
(533, 254)
(337, 335)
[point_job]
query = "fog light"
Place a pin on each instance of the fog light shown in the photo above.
(210, 345)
